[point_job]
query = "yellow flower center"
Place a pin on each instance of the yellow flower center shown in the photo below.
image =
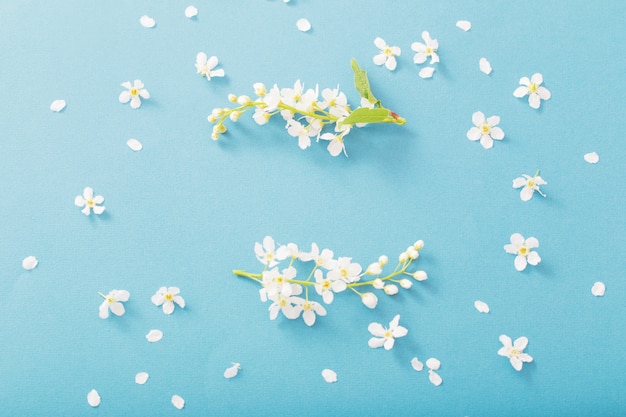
(388, 334)
(90, 203)
(307, 306)
(514, 352)
(326, 285)
(530, 183)
(280, 279)
(282, 302)
(429, 50)
(169, 297)
(485, 128)
(388, 51)
(134, 91)
(110, 300)
(523, 250)
(344, 272)
(533, 87)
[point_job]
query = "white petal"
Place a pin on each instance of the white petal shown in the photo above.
(380, 43)
(534, 101)
(532, 242)
(191, 11)
(124, 97)
(154, 335)
(592, 157)
(478, 118)
(93, 398)
(426, 72)
(232, 371)
(416, 364)
(464, 25)
(519, 182)
(57, 105)
(497, 133)
(380, 59)
(178, 401)
(329, 375)
(141, 378)
(536, 78)
(135, 102)
(168, 307)
(303, 25)
(520, 262)
(147, 21)
(516, 363)
(517, 239)
(544, 93)
(506, 341)
(376, 329)
(391, 63)
(435, 378)
(117, 308)
(375, 342)
(526, 194)
(484, 66)
(598, 289)
(433, 363)
(29, 263)
(474, 133)
(481, 306)
(520, 343)
(103, 310)
(534, 258)
(520, 91)
(486, 141)
(134, 144)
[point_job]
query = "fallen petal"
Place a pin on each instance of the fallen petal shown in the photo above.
(147, 21)
(178, 401)
(232, 371)
(141, 378)
(134, 144)
(598, 289)
(303, 25)
(484, 66)
(464, 25)
(592, 157)
(154, 335)
(435, 378)
(57, 105)
(329, 376)
(191, 11)
(426, 72)
(29, 263)
(433, 363)
(416, 364)
(481, 306)
(93, 398)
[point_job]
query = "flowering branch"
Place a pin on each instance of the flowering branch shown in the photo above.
(305, 114)
(327, 277)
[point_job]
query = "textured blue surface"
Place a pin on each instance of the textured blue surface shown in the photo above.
(186, 211)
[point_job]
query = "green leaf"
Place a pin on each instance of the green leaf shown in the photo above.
(361, 83)
(367, 115)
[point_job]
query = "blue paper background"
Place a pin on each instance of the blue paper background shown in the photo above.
(185, 210)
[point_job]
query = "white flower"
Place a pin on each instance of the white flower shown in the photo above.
(309, 310)
(426, 49)
(386, 337)
(369, 299)
(485, 129)
(134, 93)
(346, 270)
(89, 202)
(326, 287)
(266, 253)
(533, 88)
(514, 351)
(323, 259)
(167, 297)
(205, 66)
(387, 54)
(530, 184)
(285, 304)
(336, 102)
(274, 282)
(113, 301)
(522, 248)
(290, 250)
(304, 133)
(299, 99)
(336, 144)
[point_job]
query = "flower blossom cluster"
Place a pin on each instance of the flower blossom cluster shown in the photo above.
(330, 275)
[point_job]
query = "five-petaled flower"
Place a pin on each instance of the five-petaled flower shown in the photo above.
(533, 88)
(113, 301)
(206, 66)
(426, 49)
(530, 184)
(522, 248)
(167, 296)
(133, 93)
(89, 202)
(309, 310)
(386, 337)
(485, 129)
(514, 351)
(266, 253)
(387, 55)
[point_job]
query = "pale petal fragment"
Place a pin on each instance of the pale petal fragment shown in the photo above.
(141, 378)
(303, 25)
(433, 363)
(435, 378)
(147, 21)
(416, 364)
(178, 401)
(57, 105)
(93, 398)
(134, 144)
(427, 72)
(464, 25)
(154, 335)
(191, 11)
(232, 371)
(598, 289)
(484, 66)
(29, 263)
(481, 306)
(592, 157)
(329, 375)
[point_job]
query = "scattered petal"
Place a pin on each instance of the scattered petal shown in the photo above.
(154, 335)
(29, 263)
(329, 376)
(592, 157)
(303, 25)
(427, 72)
(416, 364)
(434, 378)
(178, 401)
(481, 306)
(57, 105)
(93, 398)
(232, 371)
(433, 363)
(191, 11)
(134, 144)
(598, 289)
(147, 21)
(464, 25)
(141, 378)
(484, 66)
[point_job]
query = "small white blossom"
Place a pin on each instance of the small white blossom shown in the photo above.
(387, 55)
(167, 296)
(522, 249)
(266, 253)
(405, 283)
(89, 202)
(323, 259)
(326, 287)
(386, 336)
(113, 301)
(485, 129)
(514, 351)
(275, 282)
(425, 50)
(346, 270)
(298, 98)
(374, 269)
(206, 66)
(309, 310)
(285, 304)
(133, 93)
(533, 89)
(530, 184)
(369, 299)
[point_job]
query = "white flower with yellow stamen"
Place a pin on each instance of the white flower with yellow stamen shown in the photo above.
(309, 310)
(485, 129)
(327, 287)
(533, 89)
(522, 248)
(275, 282)
(266, 253)
(206, 66)
(514, 351)
(133, 93)
(426, 49)
(387, 55)
(89, 202)
(113, 301)
(167, 296)
(386, 337)
(530, 184)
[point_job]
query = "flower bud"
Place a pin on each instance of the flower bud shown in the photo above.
(232, 98)
(369, 299)
(403, 257)
(418, 245)
(413, 254)
(391, 289)
(374, 269)
(420, 276)
(234, 116)
(212, 118)
(259, 89)
(405, 283)
(244, 100)
(383, 260)
(215, 136)
(378, 284)
(217, 112)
